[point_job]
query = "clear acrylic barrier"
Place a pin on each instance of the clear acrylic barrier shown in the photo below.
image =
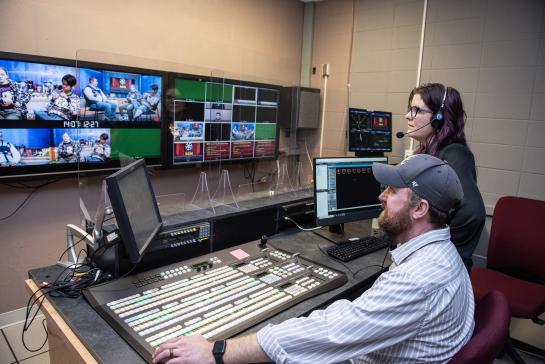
(283, 182)
(224, 193)
(201, 198)
(176, 188)
(250, 191)
(171, 204)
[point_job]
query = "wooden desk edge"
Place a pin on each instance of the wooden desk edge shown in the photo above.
(70, 339)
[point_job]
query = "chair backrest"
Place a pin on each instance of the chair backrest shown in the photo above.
(492, 318)
(516, 240)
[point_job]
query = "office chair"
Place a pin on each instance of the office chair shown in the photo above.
(492, 319)
(515, 263)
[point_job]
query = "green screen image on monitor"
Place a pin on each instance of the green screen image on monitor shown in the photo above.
(219, 92)
(265, 131)
(136, 143)
(189, 89)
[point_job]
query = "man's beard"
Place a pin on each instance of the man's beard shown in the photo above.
(395, 225)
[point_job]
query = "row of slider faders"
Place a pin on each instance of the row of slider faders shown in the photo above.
(216, 297)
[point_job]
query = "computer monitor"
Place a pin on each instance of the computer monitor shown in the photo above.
(135, 208)
(369, 132)
(345, 189)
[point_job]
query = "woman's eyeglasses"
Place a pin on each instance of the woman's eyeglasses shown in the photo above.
(414, 110)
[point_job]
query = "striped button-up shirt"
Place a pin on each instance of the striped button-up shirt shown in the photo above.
(420, 311)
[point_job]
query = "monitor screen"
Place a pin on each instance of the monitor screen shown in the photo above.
(369, 131)
(267, 97)
(135, 207)
(345, 190)
(245, 95)
(231, 120)
(59, 118)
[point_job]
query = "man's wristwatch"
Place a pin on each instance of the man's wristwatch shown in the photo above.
(218, 350)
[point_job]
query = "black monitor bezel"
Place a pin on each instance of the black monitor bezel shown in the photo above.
(18, 173)
(369, 213)
(121, 215)
(351, 147)
(169, 139)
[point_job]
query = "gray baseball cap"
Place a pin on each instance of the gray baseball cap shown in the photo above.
(429, 177)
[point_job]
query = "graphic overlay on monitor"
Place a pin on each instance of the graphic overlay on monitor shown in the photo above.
(369, 131)
(59, 118)
(214, 121)
(135, 208)
(345, 190)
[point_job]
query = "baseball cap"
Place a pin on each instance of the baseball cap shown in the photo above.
(429, 177)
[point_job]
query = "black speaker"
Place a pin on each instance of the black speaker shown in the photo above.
(299, 108)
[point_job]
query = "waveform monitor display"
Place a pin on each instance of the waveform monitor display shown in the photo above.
(369, 131)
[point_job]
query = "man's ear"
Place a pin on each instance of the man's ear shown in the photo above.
(420, 210)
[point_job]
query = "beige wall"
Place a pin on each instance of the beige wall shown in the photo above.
(235, 36)
(257, 40)
(493, 52)
(332, 45)
(385, 59)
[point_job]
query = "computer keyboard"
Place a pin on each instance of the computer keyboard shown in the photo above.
(356, 248)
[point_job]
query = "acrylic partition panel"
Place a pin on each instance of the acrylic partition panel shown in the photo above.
(209, 137)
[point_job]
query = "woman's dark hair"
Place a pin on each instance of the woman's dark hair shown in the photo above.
(70, 80)
(452, 130)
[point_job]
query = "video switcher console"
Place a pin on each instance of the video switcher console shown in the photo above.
(217, 296)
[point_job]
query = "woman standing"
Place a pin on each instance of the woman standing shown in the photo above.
(436, 119)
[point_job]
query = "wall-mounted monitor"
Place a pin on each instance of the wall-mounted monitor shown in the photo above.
(59, 117)
(369, 131)
(218, 121)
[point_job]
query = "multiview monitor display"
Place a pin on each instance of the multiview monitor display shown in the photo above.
(213, 121)
(59, 118)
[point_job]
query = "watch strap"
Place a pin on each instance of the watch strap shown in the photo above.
(218, 350)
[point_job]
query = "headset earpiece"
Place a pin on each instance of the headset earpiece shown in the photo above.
(438, 119)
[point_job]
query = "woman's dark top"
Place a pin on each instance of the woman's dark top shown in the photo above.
(468, 220)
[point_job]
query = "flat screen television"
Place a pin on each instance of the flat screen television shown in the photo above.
(225, 120)
(369, 131)
(57, 118)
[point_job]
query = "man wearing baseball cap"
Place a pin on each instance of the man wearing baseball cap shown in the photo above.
(420, 311)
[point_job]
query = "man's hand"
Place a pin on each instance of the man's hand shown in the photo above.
(185, 350)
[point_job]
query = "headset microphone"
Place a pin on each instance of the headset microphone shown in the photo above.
(401, 134)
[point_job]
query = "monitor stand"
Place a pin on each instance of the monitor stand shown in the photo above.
(357, 229)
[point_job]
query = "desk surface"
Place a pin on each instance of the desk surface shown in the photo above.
(106, 346)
